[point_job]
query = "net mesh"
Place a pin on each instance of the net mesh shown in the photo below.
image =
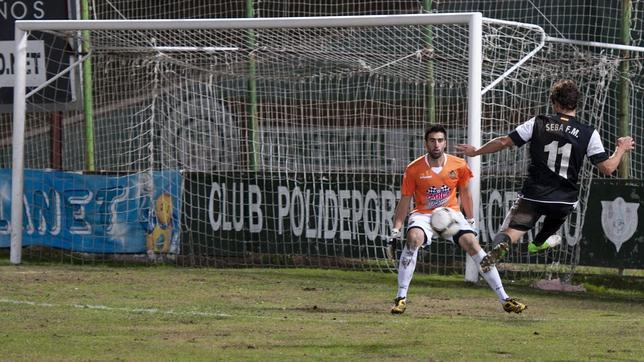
(291, 146)
(316, 125)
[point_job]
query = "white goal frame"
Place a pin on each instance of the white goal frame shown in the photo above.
(473, 20)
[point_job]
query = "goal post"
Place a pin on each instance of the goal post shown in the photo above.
(18, 165)
(474, 128)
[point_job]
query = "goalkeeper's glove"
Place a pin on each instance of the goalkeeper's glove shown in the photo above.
(392, 243)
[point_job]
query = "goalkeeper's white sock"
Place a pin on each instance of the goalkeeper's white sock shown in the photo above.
(406, 268)
(492, 277)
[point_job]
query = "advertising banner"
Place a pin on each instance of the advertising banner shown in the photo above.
(47, 55)
(277, 214)
(339, 214)
(96, 213)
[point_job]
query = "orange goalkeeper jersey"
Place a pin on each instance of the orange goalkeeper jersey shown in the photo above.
(432, 190)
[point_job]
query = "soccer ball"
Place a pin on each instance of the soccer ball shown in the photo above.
(444, 223)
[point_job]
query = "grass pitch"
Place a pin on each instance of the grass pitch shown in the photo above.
(62, 312)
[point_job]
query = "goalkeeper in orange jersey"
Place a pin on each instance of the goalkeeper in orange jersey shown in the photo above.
(432, 180)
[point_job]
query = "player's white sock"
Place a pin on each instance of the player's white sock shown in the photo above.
(492, 277)
(406, 268)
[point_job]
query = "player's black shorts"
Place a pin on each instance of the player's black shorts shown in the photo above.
(524, 214)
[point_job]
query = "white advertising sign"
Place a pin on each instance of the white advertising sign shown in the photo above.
(36, 74)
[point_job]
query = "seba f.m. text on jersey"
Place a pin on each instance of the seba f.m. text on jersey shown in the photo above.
(558, 145)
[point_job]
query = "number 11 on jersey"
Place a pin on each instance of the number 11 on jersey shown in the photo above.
(553, 149)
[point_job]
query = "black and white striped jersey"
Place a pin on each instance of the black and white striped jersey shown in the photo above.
(558, 146)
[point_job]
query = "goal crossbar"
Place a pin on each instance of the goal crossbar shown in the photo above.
(595, 44)
(245, 23)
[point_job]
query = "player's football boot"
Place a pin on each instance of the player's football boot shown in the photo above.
(511, 305)
(551, 242)
(400, 304)
(493, 256)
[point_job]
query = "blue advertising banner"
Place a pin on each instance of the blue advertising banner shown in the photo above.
(96, 213)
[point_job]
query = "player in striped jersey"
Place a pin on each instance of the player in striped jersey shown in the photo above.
(559, 143)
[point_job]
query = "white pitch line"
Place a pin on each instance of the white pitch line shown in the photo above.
(156, 311)
(395, 320)
(117, 309)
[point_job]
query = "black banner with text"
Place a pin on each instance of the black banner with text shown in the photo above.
(314, 214)
(349, 215)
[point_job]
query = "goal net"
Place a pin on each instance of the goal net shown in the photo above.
(611, 81)
(274, 143)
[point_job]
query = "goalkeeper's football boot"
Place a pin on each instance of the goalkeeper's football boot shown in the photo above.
(551, 242)
(400, 304)
(493, 256)
(511, 305)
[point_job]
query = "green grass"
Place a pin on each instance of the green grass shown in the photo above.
(62, 312)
